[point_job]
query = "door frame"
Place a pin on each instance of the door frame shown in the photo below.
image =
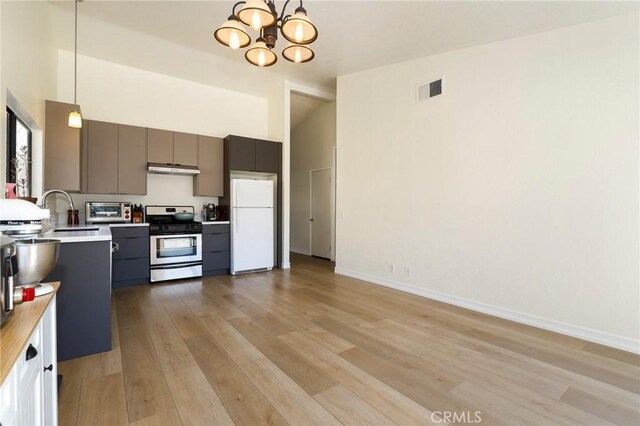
(289, 88)
(332, 192)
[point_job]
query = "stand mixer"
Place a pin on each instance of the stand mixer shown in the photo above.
(19, 219)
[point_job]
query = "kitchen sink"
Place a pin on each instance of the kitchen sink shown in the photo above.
(83, 229)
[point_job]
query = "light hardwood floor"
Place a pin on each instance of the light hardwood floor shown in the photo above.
(308, 347)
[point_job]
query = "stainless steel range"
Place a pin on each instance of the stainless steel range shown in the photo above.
(176, 245)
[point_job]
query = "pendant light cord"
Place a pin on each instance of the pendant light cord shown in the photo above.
(75, 57)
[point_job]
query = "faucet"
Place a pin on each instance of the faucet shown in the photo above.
(43, 199)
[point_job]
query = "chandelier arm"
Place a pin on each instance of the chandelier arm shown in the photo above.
(281, 18)
(233, 9)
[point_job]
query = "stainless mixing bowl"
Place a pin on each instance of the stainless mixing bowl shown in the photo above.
(36, 259)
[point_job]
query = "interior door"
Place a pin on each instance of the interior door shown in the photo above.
(321, 213)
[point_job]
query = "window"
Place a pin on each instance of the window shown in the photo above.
(18, 155)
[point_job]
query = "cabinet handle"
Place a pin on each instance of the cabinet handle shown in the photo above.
(50, 367)
(31, 352)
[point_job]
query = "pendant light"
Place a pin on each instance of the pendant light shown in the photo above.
(260, 55)
(232, 34)
(261, 15)
(256, 14)
(299, 29)
(297, 53)
(75, 118)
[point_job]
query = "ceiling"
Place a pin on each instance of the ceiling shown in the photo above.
(176, 37)
(302, 107)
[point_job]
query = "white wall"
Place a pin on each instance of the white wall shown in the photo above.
(122, 94)
(516, 192)
(28, 75)
(312, 143)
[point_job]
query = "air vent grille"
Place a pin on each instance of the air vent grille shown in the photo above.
(429, 90)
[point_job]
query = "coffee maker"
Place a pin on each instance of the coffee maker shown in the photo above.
(211, 212)
(18, 219)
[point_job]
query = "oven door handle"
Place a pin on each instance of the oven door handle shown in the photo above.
(176, 266)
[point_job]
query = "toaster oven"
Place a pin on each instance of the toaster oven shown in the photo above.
(107, 212)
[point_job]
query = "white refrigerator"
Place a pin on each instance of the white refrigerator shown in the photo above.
(252, 242)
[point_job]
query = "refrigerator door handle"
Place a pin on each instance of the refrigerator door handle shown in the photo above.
(235, 222)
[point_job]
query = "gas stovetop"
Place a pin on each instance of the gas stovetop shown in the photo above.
(162, 221)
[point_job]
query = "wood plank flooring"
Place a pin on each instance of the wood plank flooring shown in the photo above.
(308, 347)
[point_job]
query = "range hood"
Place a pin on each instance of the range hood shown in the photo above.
(172, 169)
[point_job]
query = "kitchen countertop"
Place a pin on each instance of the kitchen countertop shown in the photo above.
(216, 222)
(19, 327)
(122, 225)
(77, 236)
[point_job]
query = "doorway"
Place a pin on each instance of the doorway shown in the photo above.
(312, 176)
(320, 209)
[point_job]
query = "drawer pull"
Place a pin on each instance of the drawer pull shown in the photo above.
(31, 352)
(50, 367)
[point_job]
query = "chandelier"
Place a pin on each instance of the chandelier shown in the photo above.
(261, 15)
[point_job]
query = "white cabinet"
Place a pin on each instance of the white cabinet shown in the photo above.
(29, 394)
(50, 366)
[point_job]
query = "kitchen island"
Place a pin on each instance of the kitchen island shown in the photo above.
(84, 298)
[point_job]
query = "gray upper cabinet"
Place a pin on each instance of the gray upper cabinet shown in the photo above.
(62, 150)
(102, 157)
(160, 146)
(253, 155)
(242, 153)
(267, 156)
(185, 149)
(132, 160)
(210, 181)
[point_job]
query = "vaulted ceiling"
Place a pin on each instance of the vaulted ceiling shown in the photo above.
(176, 37)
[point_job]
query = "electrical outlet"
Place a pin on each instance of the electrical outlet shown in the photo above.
(392, 268)
(407, 272)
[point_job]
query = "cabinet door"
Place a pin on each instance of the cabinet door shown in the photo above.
(267, 156)
(185, 149)
(159, 146)
(132, 160)
(242, 153)
(210, 181)
(61, 148)
(102, 157)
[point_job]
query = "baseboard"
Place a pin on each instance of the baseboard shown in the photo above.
(607, 339)
(306, 252)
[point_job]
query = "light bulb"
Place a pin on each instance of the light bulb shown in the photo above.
(261, 59)
(299, 34)
(255, 21)
(75, 120)
(297, 57)
(234, 41)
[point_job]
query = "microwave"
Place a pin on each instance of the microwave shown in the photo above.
(107, 212)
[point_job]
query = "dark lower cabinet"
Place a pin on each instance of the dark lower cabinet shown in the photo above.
(131, 260)
(84, 298)
(215, 249)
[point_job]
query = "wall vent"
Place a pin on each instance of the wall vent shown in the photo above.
(430, 90)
